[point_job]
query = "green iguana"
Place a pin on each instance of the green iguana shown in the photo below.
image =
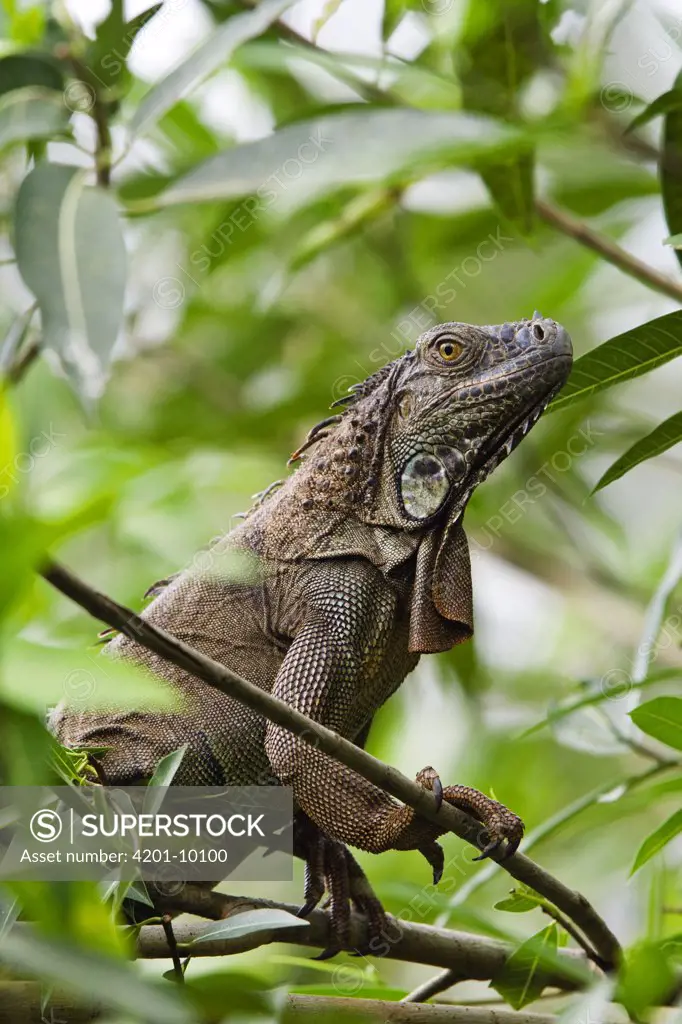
(361, 566)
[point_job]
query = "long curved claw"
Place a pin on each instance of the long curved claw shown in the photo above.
(433, 852)
(512, 847)
(489, 849)
(307, 908)
(327, 953)
(332, 869)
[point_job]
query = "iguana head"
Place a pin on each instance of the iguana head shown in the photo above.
(454, 408)
(422, 432)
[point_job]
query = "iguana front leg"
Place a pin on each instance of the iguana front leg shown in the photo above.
(345, 660)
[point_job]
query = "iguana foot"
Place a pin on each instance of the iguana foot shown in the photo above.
(500, 823)
(332, 869)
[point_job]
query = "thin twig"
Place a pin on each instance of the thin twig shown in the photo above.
(449, 818)
(608, 249)
(167, 925)
(574, 933)
(24, 360)
(434, 986)
(99, 111)
(100, 115)
(366, 90)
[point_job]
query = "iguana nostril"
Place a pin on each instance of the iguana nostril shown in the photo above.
(539, 332)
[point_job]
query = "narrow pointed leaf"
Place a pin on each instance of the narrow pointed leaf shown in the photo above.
(203, 61)
(670, 100)
(163, 776)
(623, 358)
(665, 435)
(305, 160)
(671, 161)
(522, 978)
(662, 719)
(654, 843)
(394, 12)
(167, 767)
(107, 54)
(247, 923)
(71, 254)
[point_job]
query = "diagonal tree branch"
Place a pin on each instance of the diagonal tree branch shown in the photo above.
(608, 250)
(573, 904)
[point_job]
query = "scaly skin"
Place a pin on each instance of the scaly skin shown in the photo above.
(348, 572)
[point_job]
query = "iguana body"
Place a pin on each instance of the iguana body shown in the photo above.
(355, 566)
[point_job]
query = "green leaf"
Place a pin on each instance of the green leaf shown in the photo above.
(20, 70)
(518, 902)
(85, 679)
(654, 843)
(303, 161)
(106, 56)
(664, 436)
(163, 776)
(521, 980)
(394, 12)
(245, 994)
(671, 160)
(328, 11)
(671, 100)
(662, 719)
(167, 767)
(251, 921)
(32, 114)
(71, 254)
(674, 240)
(645, 978)
(623, 358)
(203, 61)
(106, 980)
(72, 911)
(25, 747)
(500, 48)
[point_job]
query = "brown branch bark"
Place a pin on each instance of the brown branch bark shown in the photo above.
(574, 905)
(473, 957)
(314, 1008)
(433, 986)
(608, 250)
(20, 1003)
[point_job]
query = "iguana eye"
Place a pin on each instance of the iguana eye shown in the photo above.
(449, 350)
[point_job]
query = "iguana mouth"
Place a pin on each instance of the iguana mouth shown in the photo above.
(504, 443)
